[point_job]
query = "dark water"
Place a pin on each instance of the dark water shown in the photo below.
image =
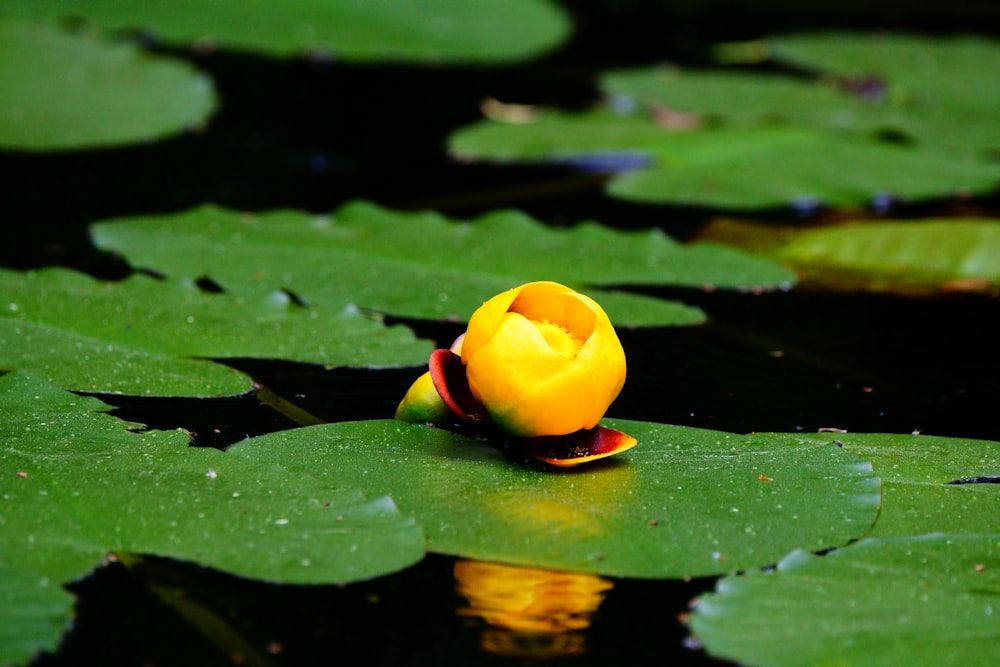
(312, 135)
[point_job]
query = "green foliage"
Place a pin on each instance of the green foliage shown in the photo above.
(72, 91)
(899, 254)
(922, 85)
(883, 601)
(141, 336)
(935, 546)
(745, 141)
(866, 116)
(917, 497)
(683, 502)
(77, 485)
(422, 265)
(427, 31)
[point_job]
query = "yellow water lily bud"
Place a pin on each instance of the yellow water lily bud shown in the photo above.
(543, 360)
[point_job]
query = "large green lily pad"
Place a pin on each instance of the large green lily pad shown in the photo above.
(141, 335)
(911, 85)
(917, 472)
(879, 119)
(423, 265)
(900, 254)
(940, 90)
(77, 484)
(417, 30)
(70, 91)
(683, 502)
(739, 167)
(930, 600)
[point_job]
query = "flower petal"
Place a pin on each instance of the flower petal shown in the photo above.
(585, 445)
(484, 322)
(448, 376)
(531, 389)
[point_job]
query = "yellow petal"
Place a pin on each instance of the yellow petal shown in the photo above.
(484, 322)
(531, 389)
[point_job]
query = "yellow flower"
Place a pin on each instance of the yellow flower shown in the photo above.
(543, 360)
(540, 364)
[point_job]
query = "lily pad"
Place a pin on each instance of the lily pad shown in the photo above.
(918, 85)
(419, 30)
(739, 167)
(736, 97)
(66, 90)
(885, 601)
(910, 85)
(77, 484)
(918, 471)
(423, 265)
(139, 336)
(683, 502)
(900, 254)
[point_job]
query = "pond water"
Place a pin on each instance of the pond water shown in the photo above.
(312, 135)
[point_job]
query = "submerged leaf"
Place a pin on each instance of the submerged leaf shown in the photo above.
(941, 254)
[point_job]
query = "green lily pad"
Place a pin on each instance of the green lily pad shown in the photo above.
(911, 85)
(737, 97)
(139, 336)
(419, 30)
(35, 612)
(84, 363)
(940, 90)
(683, 502)
(746, 167)
(423, 265)
(917, 470)
(899, 254)
(887, 601)
(72, 91)
(76, 484)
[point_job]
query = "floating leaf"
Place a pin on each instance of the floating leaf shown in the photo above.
(733, 167)
(68, 91)
(751, 140)
(422, 265)
(918, 85)
(735, 97)
(899, 254)
(888, 601)
(916, 471)
(138, 336)
(76, 484)
(84, 363)
(418, 30)
(909, 85)
(683, 502)
(35, 611)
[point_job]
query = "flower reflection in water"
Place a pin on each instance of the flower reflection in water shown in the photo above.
(529, 613)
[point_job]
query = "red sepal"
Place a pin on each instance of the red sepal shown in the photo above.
(448, 375)
(573, 449)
